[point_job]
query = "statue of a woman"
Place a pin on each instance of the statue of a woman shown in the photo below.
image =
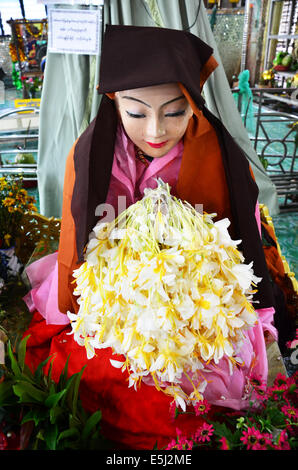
(152, 122)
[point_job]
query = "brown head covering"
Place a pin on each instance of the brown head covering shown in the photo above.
(214, 170)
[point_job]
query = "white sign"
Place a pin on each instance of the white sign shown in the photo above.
(72, 2)
(74, 31)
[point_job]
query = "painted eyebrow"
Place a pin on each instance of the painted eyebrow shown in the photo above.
(146, 104)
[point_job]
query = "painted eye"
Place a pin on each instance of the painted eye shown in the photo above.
(178, 113)
(136, 116)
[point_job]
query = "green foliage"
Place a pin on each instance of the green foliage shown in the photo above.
(50, 414)
(264, 161)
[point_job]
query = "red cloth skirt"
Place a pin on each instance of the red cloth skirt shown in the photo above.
(132, 419)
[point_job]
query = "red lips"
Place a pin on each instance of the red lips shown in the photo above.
(157, 146)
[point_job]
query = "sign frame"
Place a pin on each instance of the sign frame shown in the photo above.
(69, 33)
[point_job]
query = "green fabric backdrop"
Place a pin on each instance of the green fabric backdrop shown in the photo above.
(70, 101)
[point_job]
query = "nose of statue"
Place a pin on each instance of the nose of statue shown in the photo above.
(155, 129)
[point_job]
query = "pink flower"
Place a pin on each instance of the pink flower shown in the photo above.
(254, 440)
(256, 381)
(265, 440)
(259, 387)
(202, 407)
(188, 445)
(184, 444)
(277, 390)
(171, 445)
(261, 393)
(181, 442)
(282, 442)
(284, 388)
(203, 433)
(224, 444)
(292, 344)
(280, 380)
(290, 411)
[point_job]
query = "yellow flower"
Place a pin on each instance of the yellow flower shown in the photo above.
(3, 183)
(7, 238)
(8, 201)
(11, 209)
(32, 207)
(21, 198)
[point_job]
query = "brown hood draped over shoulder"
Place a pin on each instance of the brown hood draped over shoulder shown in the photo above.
(214, 170)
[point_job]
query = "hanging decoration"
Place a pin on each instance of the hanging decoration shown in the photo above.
(246, 97)
(16, 45)
(40, 30)
(27, 50)
(16, 80)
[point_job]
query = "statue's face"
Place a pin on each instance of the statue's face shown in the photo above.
(155, 118)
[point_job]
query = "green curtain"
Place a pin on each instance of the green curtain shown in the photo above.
(70, 101)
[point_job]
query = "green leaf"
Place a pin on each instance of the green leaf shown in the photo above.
(292, 388)
(6, 393)
(50, 436)
(53, 399)
(49, 376)
(91, 423)
(221, 430)
(74, 421)
(24, 397)
(55, 412)
(27, 392)
(63, 376)
(22, 352)
(72, 433)
(277, 418)
(68, 386)
(39, 373)
(73, 392)
(14, 365)
(37, 415)
(28, 373)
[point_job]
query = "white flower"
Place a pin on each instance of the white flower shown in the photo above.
(166, 288)
(116, 364)
(222, 235)
(244, 275)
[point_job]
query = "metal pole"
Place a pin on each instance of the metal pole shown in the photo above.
(102, 7)
(21, 2)
(244, 40)
(258, 119)
(1, 26)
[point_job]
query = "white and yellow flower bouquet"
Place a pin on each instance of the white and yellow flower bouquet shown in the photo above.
(166, 287)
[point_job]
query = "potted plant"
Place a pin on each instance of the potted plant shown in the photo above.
(14, 202)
